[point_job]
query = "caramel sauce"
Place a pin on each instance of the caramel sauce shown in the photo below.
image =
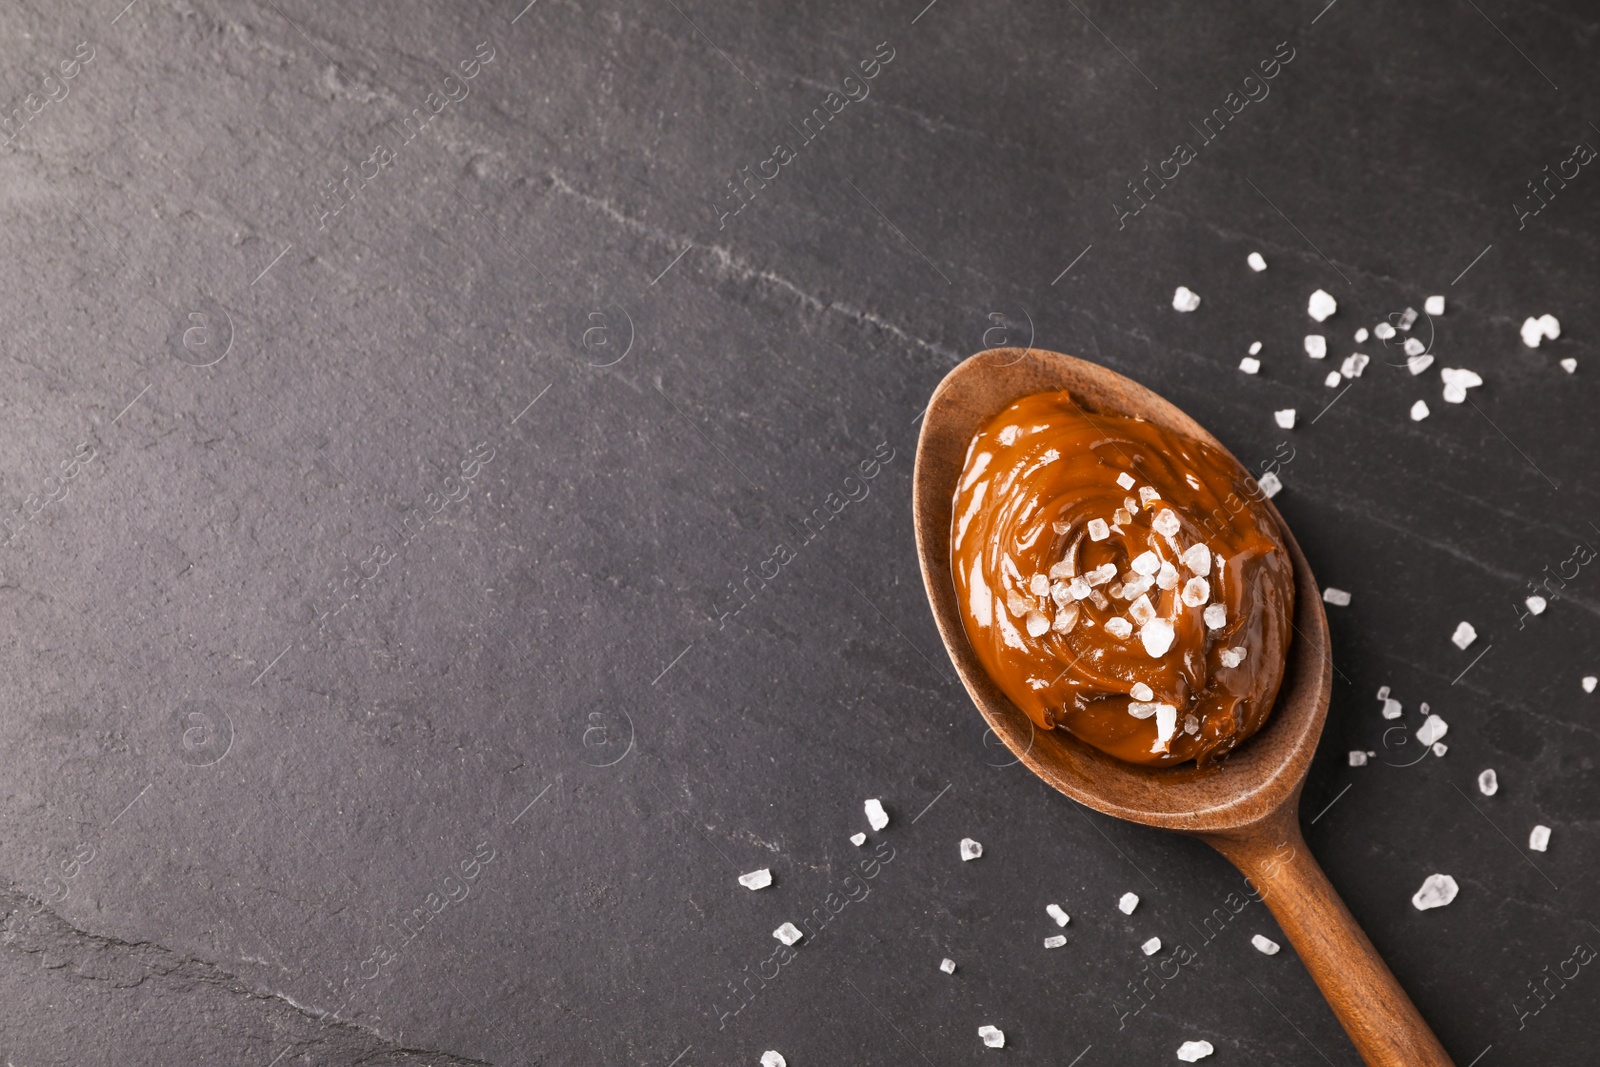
(1104, 630)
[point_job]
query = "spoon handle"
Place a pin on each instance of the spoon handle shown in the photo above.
(1383, 1024)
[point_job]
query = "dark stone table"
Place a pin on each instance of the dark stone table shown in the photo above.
(439, 552)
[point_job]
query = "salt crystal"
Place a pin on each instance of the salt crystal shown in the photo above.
(1423, 707)
(1141, 709)
(1361, 336)
(1055, 912)
(1157, 635)
(1336, 597)
(756, 879)
(1133, 589)
(1167, 577)
(1383, 331)
(1196, 591)
(1146, 562)
(1532, 332)
(1216, 616)
(1140, 691)
(1417, 364)
(1118, 627)
(1539, 839)
(1270, 484)
(1255, 348)
(1079, 588)
(1437, 891)
(1151, 947)
(1128, 902)
(1391, 708)
(947, 965)
(992, 1036)
(1440, 748)
(877, 818)
(1191, 1051)
(1489, 783)
(1321, 305)
(1419, 411)
(1569, 365)
(1197, 559)
(1125, 480)
(1166, 725)
(1130, 503)
(1141, 611)
(1432, 729)
(1165, 523)
(1332, 379)
(1383, 692)
(1316, 345)
(1460, 376)
(1039, 584)
(1434, 305)
(1122, 516)
(1589, 683)
(1257, 264)
(1055, 941)
(1037, 624)
(1407, 318)
(1264, 945)
(1536, 604)
(1550, 326)
(773, 1059)
(1358, 758)
(788, 933)
(1284, 418)
(1191, 725)
(1454, 394)
(858, 839)
(1101, 574)
(1250, 364)
(1232, 657)
(970, 849)
(1414, 346)
(1464, 635)
(1066, 619)
(1185, 299)
(1017, 604)
(1354, 364)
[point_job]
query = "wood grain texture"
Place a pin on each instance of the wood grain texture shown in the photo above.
(1246, 807)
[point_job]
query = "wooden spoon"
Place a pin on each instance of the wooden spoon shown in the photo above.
(1248, 809)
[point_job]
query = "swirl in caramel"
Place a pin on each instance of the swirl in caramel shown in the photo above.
(1120, 581)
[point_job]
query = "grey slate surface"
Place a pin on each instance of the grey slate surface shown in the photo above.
(316, 751)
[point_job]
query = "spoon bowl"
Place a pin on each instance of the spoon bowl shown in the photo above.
(1247, 805)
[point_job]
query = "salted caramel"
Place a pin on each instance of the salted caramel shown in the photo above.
(1120, 581)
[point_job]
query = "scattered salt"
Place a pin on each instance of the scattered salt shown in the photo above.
(1332, 379)
(1408, 318)
(1489, 783)
(1284, 418)
(1391, 708)
(1361, 336)
(1414, 346)
(1167, 576)
(1354, 364)
(1532, 332)
(1232, 657)
(1417, 364)
(1460, 376)
(858, 839)
(1539, 839)
(1146, 562)
(1055, 912)
(788, 933)
(1569, 365)
(877, 818)
(1119, 627)
(1434, 305)
(1589, 683)
(1037, 623)
(1264, 945)
(773, 1059)
(1437, 891)
(1432, 729)
(1383, 692)
(1165, 523)
(1464, 635)
(992, 1036)
(1419, 411)
(1440, 748)
(1321, 305)
(1197, 559)
(1270, 484)
(1141, 611)
(1128, 902)
(756, 879)
(1191, 1051)
(1216, 616)
(1358, 758)
(1550, 326)
(1039, 584)
(1151, 947)
(1055, 941)
(1336, 597)
(1316, 345)
(947, 965)
(1147, 494)
(1157, 635)
(1250, 364)
(1196, 591)
(1141, 709)
(1125, 480)
(1185, 299)
(1454, 394)
(970, 849)
(1536, 605)
(1383, 331)
(1255, 348)
(1140, 691)
(1257, 264)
